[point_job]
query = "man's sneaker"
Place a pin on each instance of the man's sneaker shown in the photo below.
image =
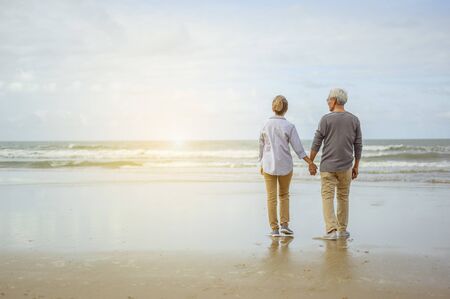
(330, 236)
(286, 230)
(343, 235)
(275, 233)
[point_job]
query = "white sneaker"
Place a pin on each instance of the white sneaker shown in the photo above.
(286, 230)
(330, 236)
(343, 235)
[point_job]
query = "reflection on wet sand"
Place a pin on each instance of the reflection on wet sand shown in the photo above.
(335, 266)
(324, 271)
(278, 258)
(279, 247)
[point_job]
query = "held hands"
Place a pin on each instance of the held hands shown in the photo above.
(312, 168)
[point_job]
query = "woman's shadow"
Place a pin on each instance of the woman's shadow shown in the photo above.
(278, 255)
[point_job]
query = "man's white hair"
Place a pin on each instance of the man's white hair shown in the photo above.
(339, 94)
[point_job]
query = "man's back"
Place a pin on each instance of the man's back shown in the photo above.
(341, 136)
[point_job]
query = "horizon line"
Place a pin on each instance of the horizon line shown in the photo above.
(190, 140)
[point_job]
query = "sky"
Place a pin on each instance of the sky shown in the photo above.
(176, 70)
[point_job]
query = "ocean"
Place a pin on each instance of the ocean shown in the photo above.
(417, 161)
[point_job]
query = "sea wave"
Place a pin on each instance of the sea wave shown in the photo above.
(406, 148)
(369, 167)
(48, 164)
(413, 161)
(126, 154)
(50, 154)
(406, 171)
(88, 146)
(422, 156)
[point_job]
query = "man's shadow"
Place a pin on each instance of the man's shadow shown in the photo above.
(335, 266)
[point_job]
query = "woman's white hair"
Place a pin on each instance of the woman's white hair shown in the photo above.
(339, 94)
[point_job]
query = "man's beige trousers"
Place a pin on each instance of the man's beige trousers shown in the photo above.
(332, 181)
(271, 186)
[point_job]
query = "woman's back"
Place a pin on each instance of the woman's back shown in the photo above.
(275, 153)
(277, 165)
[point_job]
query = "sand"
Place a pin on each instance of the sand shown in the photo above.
(331, 271)
(207, 240)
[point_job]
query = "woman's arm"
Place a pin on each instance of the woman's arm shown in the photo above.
(297, 144)
(261, 146)
(299, 150)
(261, 150)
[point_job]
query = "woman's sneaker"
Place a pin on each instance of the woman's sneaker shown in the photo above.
(330, 236)
(343, 235)
(275, 233)
(286, 230)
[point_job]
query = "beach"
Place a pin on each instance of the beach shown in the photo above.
(135, 139)
(109, 234)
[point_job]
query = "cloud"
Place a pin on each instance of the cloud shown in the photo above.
(440, 90)
(15, 86)
(445, 115)
(49, 87)
(25, 75)
(146, 63)
(41, 115)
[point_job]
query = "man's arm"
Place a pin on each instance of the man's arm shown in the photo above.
(312, 155)
(355, 169)
(317, 143)
(318, 138)
(357, 145)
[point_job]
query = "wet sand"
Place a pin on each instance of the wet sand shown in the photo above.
(207, 240)
(331, 271)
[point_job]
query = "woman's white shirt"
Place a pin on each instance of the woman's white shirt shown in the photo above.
(274, 151)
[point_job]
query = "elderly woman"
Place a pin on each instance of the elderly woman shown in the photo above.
(277, 164)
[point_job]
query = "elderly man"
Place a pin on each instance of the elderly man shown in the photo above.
(340, 133)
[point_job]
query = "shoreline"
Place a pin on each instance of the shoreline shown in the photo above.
(90, 176)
